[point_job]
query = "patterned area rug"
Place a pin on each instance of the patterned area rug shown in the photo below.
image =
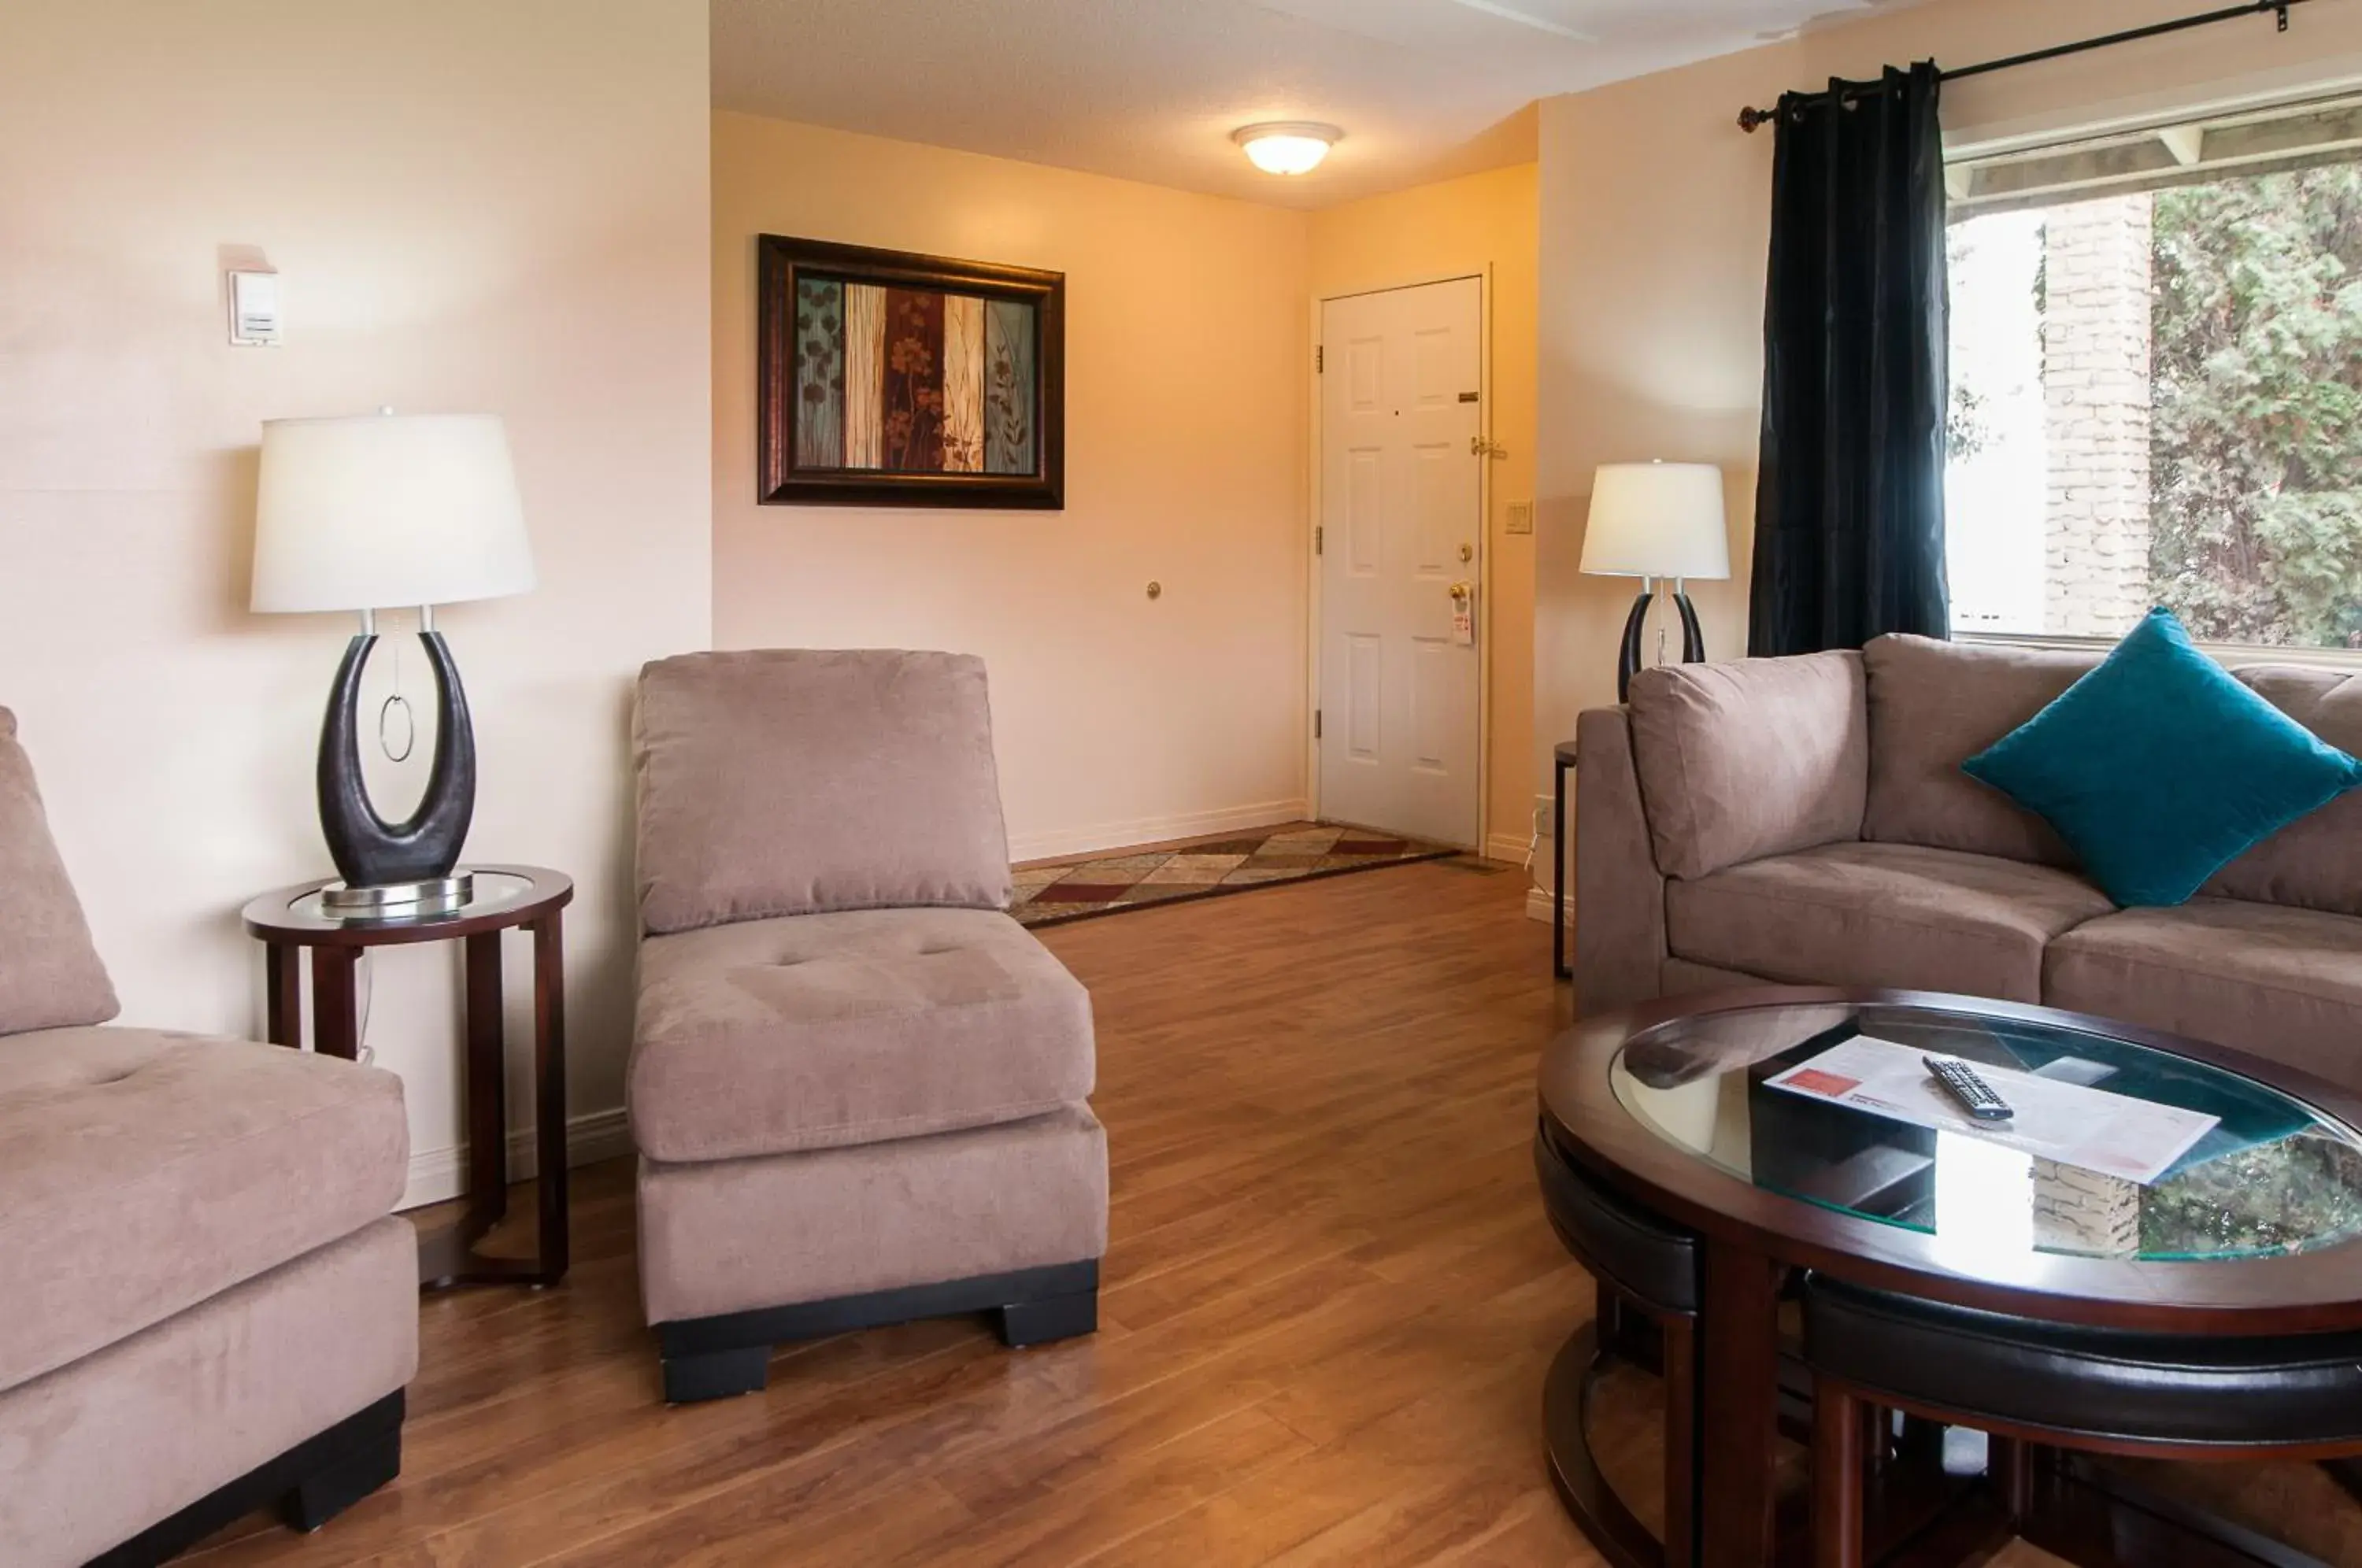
(1051, 891)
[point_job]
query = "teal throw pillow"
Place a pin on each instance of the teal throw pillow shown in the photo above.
(2159, 767)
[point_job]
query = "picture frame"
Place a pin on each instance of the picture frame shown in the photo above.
(886, 378)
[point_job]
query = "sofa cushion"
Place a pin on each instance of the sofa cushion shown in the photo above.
(769, 1036)
(50, 976)
(1897, 915)
(1933, 705)
(1750, 758)
(784, 782)
(2315, 862)
(2284, 984)
(143, 1172)
(97, 1451)
(2159, 769)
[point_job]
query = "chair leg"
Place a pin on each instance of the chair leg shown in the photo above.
(337, 1485)
(2009, 1470)
(716, 1375)
(1836, 1476)
(1878, 1427)
(1680, 1357)
(1049, 1318)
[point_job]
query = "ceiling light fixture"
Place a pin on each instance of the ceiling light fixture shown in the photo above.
(1287, 147)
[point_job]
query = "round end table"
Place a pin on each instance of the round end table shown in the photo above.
(289, 921)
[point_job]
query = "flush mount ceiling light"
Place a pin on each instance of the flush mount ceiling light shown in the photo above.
(1287, 147)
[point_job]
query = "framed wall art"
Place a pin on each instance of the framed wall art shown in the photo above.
(888, 379)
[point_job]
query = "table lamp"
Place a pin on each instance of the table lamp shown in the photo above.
(1653, 520)
(367, 512)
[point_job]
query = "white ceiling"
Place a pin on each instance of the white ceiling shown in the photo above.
(1151, 89)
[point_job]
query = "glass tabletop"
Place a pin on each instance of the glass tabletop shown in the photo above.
(495, 890)
(2114, 1149)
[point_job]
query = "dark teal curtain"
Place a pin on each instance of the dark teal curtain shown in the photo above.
(1849, 494)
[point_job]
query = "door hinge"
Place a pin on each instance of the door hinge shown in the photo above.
(1320, 540)
(1316, 724)
(1319, 358)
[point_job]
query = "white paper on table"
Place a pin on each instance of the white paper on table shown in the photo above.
(2112, 1133)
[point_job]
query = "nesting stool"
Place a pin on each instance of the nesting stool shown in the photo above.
(1646, 1267)
(2031, 1385)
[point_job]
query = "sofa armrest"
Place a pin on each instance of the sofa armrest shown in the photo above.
(1620, 894)
(1756, 757)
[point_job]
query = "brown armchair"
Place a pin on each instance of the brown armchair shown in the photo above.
(856, 1085)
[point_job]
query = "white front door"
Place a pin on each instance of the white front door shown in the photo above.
(1401, 523)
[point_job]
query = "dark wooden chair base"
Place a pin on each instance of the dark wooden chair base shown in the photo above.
(309, 1485)
(714, 1358)
(1611, 1527)
(2062, 1503)
(1620, 1331)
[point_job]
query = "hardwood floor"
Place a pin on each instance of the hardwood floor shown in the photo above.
(1330, 1298)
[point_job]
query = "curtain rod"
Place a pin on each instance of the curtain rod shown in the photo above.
(1748, 119)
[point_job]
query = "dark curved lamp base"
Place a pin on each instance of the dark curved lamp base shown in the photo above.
(369, 851)
(1628, 663)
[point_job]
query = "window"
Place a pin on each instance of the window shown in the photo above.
(2157, 383)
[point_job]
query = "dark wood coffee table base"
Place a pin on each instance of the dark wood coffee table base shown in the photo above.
(1918, 1513)
(1753, 1237)
(1611, 1527)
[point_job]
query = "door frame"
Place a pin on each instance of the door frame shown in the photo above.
(1313, 380)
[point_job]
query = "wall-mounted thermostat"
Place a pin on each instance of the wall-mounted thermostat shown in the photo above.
(254, 321)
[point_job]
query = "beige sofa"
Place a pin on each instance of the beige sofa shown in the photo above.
(857, 1087)
(206, 1306)
(1805, 819)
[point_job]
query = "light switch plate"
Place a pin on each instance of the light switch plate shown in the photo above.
(1521, 517)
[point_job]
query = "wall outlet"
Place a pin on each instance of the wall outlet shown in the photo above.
(1521, 517)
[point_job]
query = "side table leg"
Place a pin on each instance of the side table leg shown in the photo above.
(336, 1028)
(549, 1091)
(283, 1000)
(1558, 874)
(488, 1096)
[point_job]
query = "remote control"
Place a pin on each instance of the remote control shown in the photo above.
(1975, 1096)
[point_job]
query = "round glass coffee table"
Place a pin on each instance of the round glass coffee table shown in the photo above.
(2145, 1182)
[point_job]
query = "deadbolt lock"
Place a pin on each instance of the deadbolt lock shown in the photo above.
(1467, 552)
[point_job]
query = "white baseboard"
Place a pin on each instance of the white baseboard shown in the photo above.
(1506, 846)
(438, 1176)
(1153, 829)
(1537, 903)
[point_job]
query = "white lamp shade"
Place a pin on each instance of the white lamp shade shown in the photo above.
(384, 510)
(1657, 520)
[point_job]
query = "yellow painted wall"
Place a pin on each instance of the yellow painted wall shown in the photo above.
(1118, 719)
(1450, 228)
